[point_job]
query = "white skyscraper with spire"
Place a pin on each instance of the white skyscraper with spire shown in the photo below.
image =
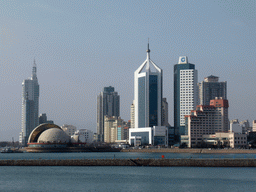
(148, 94)
(30, 106)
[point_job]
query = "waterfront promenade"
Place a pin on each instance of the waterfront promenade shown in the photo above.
(177, 150)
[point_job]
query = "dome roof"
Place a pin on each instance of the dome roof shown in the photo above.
(53, 135)
(33, 137)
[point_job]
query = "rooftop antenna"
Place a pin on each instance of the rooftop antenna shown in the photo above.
(148, 58)
(148, 50)
(34, 70)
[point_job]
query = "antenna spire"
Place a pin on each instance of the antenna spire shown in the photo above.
(148, 50)
(34, 70)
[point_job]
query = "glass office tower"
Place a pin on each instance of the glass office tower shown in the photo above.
(211, 88)
(185, 93)
(148, 94)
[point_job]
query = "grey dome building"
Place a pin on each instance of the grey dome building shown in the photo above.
(48, 137)
(53, 135)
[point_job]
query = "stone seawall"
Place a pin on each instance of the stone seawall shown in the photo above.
(176, 150)
(136, 162)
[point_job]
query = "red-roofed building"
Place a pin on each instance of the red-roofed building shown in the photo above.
(206, 119)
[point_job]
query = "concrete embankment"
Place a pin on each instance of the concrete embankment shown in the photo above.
(176, 150)
(136, 162)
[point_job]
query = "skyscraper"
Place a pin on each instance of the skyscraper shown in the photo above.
(211, 88)
(43, 119)
(148, 94)
(165, 121)
(108, 104)
(30, 106)
(185, 92)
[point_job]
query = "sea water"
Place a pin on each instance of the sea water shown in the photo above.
(98, 178)
(121, 155)
(118, 178)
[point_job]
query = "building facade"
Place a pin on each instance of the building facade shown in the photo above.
(254, 125)
(235, 126)
(205, 120)
(229, 139)
(43, 119)
(211, 88)
(156, 135)
(69, 129)
(132, 111)
(113, 129)
(246, 128)
(165, 112)
(108, 104)
(185, 92)
(84, 136)
(30, 106)
(148, 94)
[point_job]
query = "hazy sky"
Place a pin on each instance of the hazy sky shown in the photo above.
(82, 46)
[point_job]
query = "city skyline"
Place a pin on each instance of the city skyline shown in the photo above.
(82, 47)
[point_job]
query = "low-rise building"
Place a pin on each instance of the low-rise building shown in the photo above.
(156, 135)
(84, 136)
(69, 129)
(229, 139)
(235, 126)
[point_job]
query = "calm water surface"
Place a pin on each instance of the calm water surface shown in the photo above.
(118, 155)
(127, 179)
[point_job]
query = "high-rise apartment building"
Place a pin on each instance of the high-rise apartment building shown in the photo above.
(205, 120)
(113, 129)
(185, 92)
(108, 104)
(211, 88)
(254, 125)
(30, 106)
(148, 94)
(43, 119)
